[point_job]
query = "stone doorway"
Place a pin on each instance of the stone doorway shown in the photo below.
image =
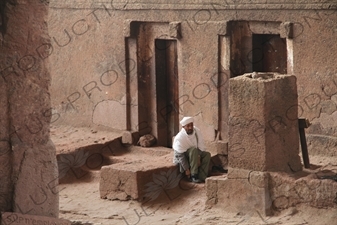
(269, 53)
(166, 90)
(259, 46)
(154, 83)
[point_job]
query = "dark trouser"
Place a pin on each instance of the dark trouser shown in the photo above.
(192, 155)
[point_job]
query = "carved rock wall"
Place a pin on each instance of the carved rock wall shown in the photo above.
(91, 43)
(28, 162)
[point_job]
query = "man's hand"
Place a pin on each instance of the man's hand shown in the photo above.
(188, 172)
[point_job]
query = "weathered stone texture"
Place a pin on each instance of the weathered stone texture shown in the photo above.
(288, 191)
(322, 145)
(25, 108)
(250, 191)
(263, 126)
(217, 147)
(9, 218)
(247, 194)
(92, 37)
(127, 138)
(127, 180)
(110, 114)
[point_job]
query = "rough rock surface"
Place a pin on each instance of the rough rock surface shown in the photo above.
(95, 70)
(30, 177)
(147, 140)
(138, 179)
(267, 192)
(9, 218)
(80, 199)
(263, 132)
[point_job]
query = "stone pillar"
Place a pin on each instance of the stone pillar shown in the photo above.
(263, 123)
(263, 137)
(30, 172)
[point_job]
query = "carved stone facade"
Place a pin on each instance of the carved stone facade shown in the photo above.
(140, 66)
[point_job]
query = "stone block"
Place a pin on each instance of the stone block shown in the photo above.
(245, 195)
(212, 192)
(289, 191)
(10, 218)
(234, 173)
(263, 123)
(127, 137)
(322, 145)
(249, 191)
(127, 180)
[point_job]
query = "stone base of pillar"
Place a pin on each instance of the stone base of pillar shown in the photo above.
(241, 191)
(261, 194)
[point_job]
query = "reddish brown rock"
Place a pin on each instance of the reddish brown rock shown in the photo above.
(217, 147)
(264, 192)
(263, 124)
(139, 179)
(147, 140)
(31, 178)
(9, 218)
(246, 194)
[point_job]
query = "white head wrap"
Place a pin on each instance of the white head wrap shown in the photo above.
(186, 120)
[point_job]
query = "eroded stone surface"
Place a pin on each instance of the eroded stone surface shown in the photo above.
(133, 180)
(263, 126)
(89, 68)
(8, 218)
(240, 195)
(31, 177)
(268, 191)
(218, 147)
(322, 145)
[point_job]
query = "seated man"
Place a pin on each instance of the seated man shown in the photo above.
(189, 151)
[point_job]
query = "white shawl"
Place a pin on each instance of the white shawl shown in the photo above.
(183, 141)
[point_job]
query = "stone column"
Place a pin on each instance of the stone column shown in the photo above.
(263, 123)
(263, 137)
(30, 172)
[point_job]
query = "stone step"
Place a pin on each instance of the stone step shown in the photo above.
(138, 179)
(249, 191)
(82, 163)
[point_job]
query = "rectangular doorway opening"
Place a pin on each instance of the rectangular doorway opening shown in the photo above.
(166, 91)
(257, 46)
(269, 53)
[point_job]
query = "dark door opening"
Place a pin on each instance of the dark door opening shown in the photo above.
(259, 52)
(269, 53)
(166, 90)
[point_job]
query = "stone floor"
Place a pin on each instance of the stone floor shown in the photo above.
(169, 199)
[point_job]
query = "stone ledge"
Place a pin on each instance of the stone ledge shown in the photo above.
(130, 180)
(240, 195)
(125, 5)
(267, 191)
